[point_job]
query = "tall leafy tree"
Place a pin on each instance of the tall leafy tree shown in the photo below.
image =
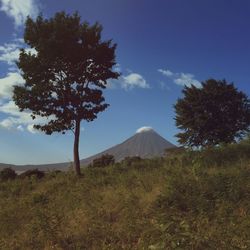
(215, 113)
(65, 76)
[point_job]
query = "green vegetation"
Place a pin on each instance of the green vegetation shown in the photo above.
(103, 161)
(65, 78)
(217, 112)
(7, 174)
(32, 173)
(189, 200)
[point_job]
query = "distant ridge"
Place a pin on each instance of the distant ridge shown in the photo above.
(45, 167)
(146, 143)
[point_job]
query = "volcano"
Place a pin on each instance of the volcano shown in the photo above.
(146, 143)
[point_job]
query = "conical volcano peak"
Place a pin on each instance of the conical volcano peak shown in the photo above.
(146, 143)
(144, 129)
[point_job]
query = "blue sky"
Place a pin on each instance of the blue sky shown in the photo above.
(162, 46)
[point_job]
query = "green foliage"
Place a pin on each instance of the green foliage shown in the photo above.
(103, 161)
(213, 114)
(65, 76)
(181, 202)
(7, 174)
(35, 173)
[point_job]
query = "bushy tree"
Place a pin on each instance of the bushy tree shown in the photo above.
(65, 76)
(217, 112)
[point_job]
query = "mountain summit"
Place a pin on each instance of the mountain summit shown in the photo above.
(146, 143)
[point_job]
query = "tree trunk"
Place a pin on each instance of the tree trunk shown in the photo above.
(76, 149)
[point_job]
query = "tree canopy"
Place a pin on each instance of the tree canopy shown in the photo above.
(215, 113)
(65, 76)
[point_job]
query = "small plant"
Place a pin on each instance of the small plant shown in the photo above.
(7, 174)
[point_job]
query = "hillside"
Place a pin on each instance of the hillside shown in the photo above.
(190, 200)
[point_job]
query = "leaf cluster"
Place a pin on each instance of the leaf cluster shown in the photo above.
(65, 75)
(213, 114)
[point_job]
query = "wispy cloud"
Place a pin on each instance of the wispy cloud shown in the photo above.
(17, 120)
(164, 86)
(166, 72)
(9, 52)
(18, 10)
(130, 81)
(7, 83)
(182, 79)
(14, 119)
(187, 80)
(31, 129)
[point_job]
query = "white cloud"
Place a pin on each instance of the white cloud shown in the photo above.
(7, 83)
(10, 108)
(31, 129)
(16, 120)
(18, 10)
(6, 123)
(20, 128)
(182, 79)
(117, 68)
(15, 116)
(166, 72)
(134, 80)
(187, 80)
(9, 52)
(129, 81)
(144, 129)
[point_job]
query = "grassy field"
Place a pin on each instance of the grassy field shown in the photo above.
(190, 200)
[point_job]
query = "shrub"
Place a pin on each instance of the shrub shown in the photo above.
(33, 172)
(7, 174)
(103, 161)
(130, 160)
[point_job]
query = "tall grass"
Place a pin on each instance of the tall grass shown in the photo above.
(190, 200)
